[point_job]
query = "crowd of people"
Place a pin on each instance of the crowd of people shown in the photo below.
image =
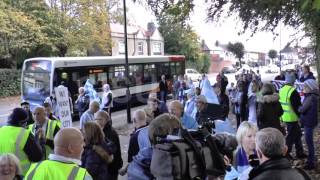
(258, 145)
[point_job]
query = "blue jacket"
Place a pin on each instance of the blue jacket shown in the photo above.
(309, 110)
(189, 107)
(188, 122)
(139, 168)
(143, 138)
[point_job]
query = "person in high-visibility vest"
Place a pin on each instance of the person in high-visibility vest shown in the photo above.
(16, 139)
(46, 128)
(66, 160)
(290, 102)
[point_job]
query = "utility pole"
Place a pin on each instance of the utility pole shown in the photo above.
(127, 64)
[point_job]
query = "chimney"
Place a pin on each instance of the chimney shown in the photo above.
(151, 27)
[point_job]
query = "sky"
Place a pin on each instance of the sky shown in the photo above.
(225, 31)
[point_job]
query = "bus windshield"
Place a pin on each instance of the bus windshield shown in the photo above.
(36, 80)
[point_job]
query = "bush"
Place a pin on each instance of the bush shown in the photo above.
(10, 82)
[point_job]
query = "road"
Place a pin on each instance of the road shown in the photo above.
(119, 118)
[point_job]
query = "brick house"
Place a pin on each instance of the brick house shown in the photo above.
(140, 41)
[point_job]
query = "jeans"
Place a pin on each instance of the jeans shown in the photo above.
(294, 137)
(163, 96)
(308, 134)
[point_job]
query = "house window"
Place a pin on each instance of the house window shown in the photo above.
(156, 48)
(121, 47)
(140, 48)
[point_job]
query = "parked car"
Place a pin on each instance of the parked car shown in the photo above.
(193, 74)
(229, 69)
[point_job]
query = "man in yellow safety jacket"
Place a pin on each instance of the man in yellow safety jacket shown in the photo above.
(65, 162)
(290, 101)
(16, 139)
(45, 128)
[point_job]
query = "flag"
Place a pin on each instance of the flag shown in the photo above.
(209, 93)
(91, 92)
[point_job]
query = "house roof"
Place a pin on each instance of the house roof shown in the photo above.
(288, 49)
(131, 29)
(118, 28)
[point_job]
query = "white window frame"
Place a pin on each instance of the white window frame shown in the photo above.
(140, 48)
(121, 47)
(156, 48)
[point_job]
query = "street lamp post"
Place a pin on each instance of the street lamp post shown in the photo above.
(280, 47)
(127, 65)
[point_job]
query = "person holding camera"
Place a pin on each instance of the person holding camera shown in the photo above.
(44, 129)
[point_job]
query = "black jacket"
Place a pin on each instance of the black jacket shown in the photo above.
(96, 160)
(224, 102)
(117, 162)
(269, 111)
(276, 169)
(163, 86)
(295, 102)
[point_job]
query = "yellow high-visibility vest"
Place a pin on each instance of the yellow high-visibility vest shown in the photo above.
(288, 113)
(51, 126)
(12, 140)
(54, 170)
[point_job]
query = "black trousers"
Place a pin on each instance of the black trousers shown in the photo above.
(294, 137)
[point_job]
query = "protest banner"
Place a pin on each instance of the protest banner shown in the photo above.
(63, 106)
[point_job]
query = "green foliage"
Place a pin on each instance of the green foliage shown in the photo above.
(179, 38)
(260, 15)
(202, 64)
(55, 28)
(237, 49)
(9, 82)
(272, 54)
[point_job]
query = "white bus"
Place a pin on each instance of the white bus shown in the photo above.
(41, 75)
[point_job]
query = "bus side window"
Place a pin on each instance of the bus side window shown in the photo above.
(150, 73)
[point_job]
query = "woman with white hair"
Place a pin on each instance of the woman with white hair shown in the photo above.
(246, 140)
(107, 99)
(10, 168)
(309, 117)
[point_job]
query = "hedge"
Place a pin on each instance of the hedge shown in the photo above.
(10, 82)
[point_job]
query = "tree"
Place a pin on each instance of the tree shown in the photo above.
(272, 54)
(19, 33)
(237, 49)
(179, 38)
(261, 15)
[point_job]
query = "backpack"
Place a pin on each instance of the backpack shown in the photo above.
(192, 156)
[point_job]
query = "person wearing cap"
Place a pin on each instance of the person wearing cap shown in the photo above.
(309, 117)
(290, 102)
(65, 162)
(44, 129)
(176, 108)
(26, 106)
(16, 139)
(201, 104)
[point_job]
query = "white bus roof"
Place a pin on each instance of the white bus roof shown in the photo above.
(105, 60)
